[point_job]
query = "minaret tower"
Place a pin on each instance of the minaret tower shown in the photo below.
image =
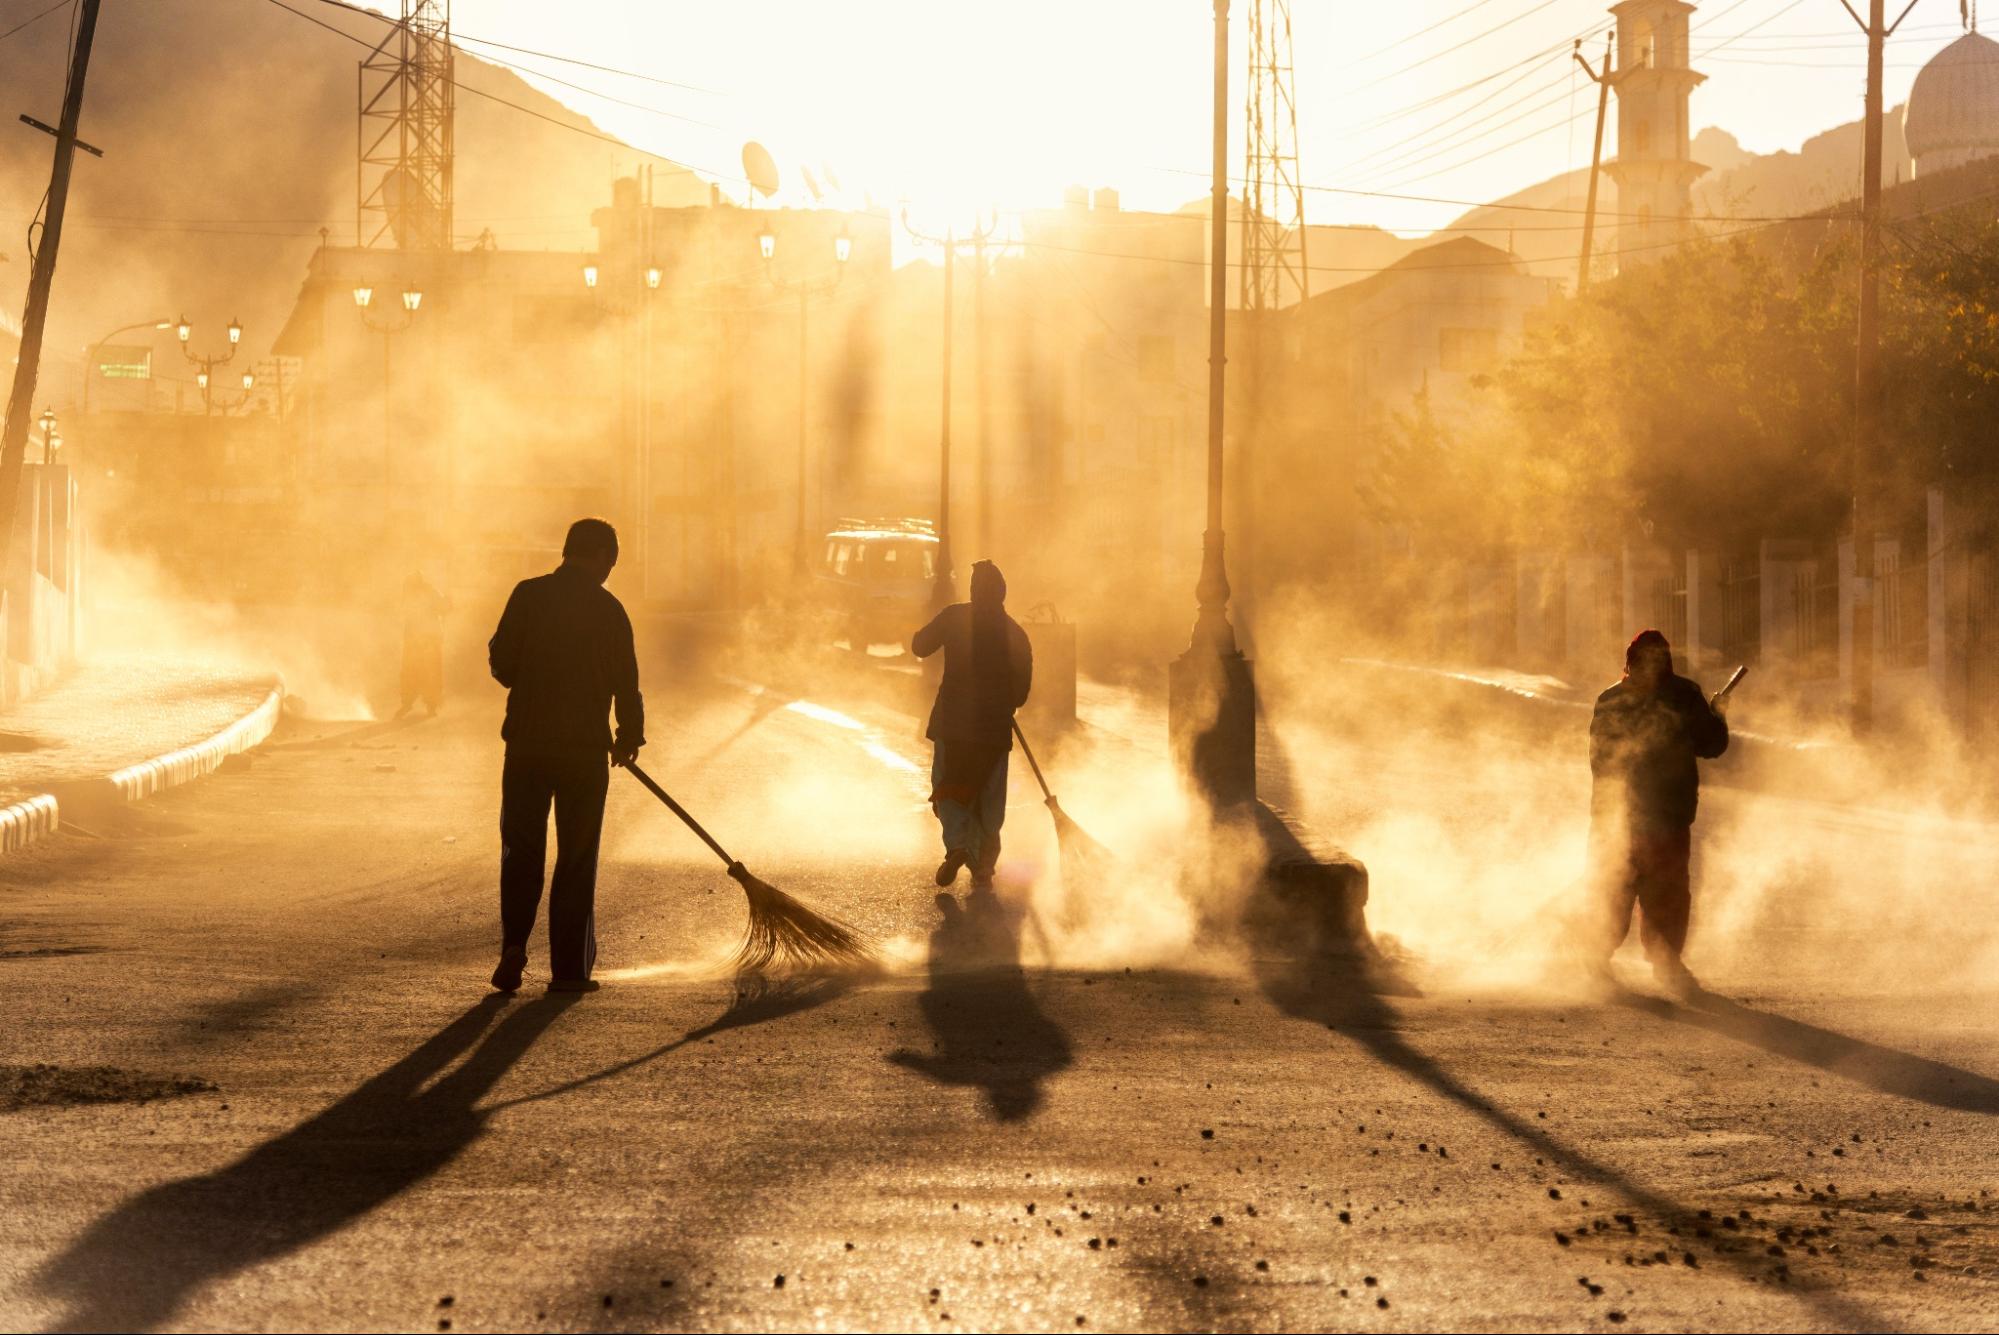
(1653, 170)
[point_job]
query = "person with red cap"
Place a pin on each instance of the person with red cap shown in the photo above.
(1646, 737)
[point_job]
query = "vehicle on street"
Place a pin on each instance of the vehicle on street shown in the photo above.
(875, 576)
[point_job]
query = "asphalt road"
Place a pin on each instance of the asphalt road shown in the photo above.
(252, 1078)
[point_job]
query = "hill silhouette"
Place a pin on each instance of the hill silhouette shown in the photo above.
(228, 132)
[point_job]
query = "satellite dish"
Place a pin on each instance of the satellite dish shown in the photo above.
(761, 168)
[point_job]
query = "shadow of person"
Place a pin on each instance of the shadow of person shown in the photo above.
(1343, 998)
(134, 1268)
(1888, 1070)
(989, 1031)
(769, 1000)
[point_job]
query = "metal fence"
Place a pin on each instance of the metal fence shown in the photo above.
(1903, 588)
(1741, 611)
(1816, 595)
(1669, 604)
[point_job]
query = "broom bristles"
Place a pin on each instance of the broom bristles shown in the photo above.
(783, 935)
(1081, 854)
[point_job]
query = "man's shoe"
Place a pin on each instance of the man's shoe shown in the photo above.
(573, 985)
(947, 870)
(507, 974)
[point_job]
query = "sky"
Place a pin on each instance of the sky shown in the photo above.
(955, 105)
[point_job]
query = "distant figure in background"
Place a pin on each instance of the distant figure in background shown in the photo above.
(1645, 738)
(423, 645)
(988, 668)
(564, 652)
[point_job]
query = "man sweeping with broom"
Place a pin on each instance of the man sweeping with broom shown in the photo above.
(988, 668)
(564, 652)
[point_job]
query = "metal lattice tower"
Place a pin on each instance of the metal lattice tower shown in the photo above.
(1274, 272)
(406, 101)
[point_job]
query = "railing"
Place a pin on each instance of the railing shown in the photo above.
(1669, 604)
(1741, 611)
(1816, 603)
(1903, 615)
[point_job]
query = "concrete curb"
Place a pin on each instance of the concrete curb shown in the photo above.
(26, 821)
(38, 817)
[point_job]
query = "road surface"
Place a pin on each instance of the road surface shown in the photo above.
(253, 1078)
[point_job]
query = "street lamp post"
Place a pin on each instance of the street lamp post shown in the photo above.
(51, 441)
(1212, 697)
(943, 591)
(843, 247)
(388, 327)
(205, 366)
(635, 382)
(230, 405)
(91, 353)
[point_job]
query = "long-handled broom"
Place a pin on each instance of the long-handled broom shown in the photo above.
(782, 932)
(1081, 855)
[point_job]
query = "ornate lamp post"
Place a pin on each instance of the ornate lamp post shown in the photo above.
(843, 249)
(205, 366)
(1211, 711)
(231, 405)
(51, 442)
(388, 326)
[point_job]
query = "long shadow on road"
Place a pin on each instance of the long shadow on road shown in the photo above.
(771, 1002)
(1347, 1004)
(134, 1268)
(990, 1033)
(1889, 1070)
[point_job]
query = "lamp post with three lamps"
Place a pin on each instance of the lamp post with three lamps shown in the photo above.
(843, 249)
(205, 366)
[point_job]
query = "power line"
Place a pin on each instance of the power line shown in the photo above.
(1473, 134)
(1775, 15)
(1510, 262)
(1459, 46)
(1420, 32)
(506, 102)
(1455, 116)
(59, 4)
(457, 36)
(1534, 133)
(1479, 204)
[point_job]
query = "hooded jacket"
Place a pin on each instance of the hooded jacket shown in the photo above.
(988, 665)
(1643, 746)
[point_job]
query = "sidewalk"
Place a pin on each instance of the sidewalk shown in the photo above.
(144, 721)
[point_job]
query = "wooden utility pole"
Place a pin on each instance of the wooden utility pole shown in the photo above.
(20, 403)
(1604, 80)
(1865, 462)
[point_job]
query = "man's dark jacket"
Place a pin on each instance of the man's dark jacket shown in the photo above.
(976, 700)
(564, 653)
(1643, 745)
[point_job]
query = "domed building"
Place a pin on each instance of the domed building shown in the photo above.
(1953, 113)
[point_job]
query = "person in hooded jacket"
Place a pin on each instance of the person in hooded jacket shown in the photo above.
(1646, 738)
(988, 670)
